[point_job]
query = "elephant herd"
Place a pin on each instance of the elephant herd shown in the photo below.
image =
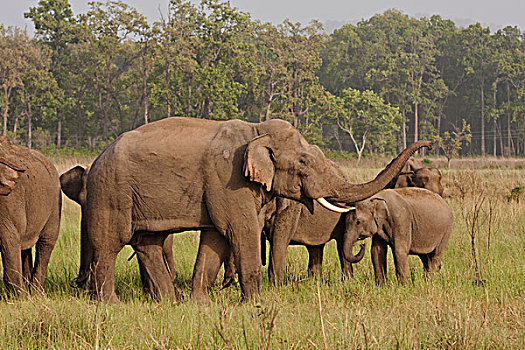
(238, 183)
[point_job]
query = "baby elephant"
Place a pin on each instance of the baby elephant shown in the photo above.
(410, 220)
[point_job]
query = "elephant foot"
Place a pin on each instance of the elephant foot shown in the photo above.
(111, 299)
(200, 298)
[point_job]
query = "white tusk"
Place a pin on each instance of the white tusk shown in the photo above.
(332, 207)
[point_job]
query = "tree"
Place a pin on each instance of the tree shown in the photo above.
(451, 143)
(366, 116)
(54, 24)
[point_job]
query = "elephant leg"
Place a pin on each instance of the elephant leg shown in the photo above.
(12, 263)
(425, 259)
(229, 271)
(213, 250)
(103, 280)
(27, 265)
(167, 253)
(315, 260)
(401, 263)
(44, 248)
(108, 227)
(435, 258)
(155, 275)
(278, 248)
(346, 267)
(378, 253)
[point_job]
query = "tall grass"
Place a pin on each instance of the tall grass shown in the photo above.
(455, 309)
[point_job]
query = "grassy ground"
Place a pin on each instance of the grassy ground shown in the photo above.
(469, 304)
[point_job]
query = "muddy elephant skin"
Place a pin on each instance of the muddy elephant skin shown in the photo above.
(30, 204)
(181, 174)
(410, 220)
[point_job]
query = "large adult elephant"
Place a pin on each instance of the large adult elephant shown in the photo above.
(30, 203)
(73, 183)
(179, 174)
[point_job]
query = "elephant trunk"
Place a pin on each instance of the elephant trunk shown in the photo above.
(351, 193)
(348, 243)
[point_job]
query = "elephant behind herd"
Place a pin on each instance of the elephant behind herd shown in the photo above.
(228, 179)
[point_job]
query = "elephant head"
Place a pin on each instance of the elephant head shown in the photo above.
(284, 163)
(10, 166)
(369, 218)
(73, 183)
(429, 178)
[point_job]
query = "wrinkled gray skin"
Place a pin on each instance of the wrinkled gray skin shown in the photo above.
(414, 174)
(181, 174)
(30, 203)
(288, 222)
(293, 224)
(73, 183)
(410, 220)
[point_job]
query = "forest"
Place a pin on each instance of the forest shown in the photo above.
(83, 79)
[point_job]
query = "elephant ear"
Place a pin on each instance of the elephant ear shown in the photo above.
(12, 155)
(71, 183)
(436, 171)
(258, 163)
(380, 211)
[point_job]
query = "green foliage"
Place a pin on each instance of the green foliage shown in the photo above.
(515, 194)
(365, 117)
(91, 76)
(451, 143)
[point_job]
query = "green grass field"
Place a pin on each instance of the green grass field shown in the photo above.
(461, 307)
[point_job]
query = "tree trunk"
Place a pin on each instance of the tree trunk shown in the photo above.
(494, 153)
(79, 127)
(7, 92)
(403, 126)
(494, 101)
(168, 87)
(509, 118)
(15, 126)
(189, 108)
(482, 117)
(502, 148)
(59, 131)
(145, 89)
(29, 125)
(438, 130)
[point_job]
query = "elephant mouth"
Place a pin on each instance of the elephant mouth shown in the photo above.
(334, 207)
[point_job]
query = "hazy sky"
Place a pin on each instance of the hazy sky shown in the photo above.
(495, 14)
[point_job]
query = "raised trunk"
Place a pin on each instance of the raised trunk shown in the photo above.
(351, 193)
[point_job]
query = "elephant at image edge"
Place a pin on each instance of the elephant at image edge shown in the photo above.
(73, 183)
(178, 174)
(30, 203)
(410, 220)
